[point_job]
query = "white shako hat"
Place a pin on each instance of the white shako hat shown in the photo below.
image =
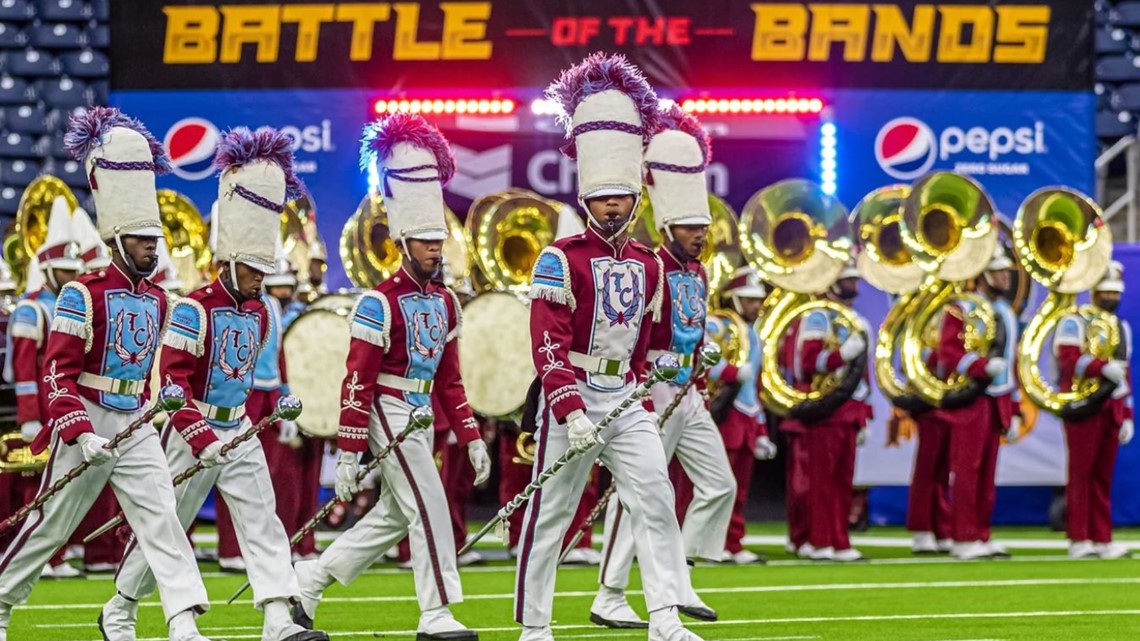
(675, 163)
(850, 270)
(255, 180)
(164, 272)
(1000, 260)
(1113, 280)
(122, 159)
(282, 274)
(413, 161)
(94, 252)
(608, 110)
(745, 283)
(60, 249)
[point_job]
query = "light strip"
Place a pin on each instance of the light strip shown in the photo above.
(828, 158)
(753, 106)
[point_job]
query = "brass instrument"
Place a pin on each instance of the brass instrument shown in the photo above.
(1062, 241)
(525, 447)
(16, 455)
(948, 227)
(370, 255)
(721, 255)
(886, 263)
(799, 238)
(187, 236)
(732, 339)
(508, 230)
(30, 228)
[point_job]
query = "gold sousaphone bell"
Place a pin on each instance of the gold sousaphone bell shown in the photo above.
(30, 228)
(798, 238)
(187, 237)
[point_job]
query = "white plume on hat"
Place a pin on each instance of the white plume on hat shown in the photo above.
(413, 162)
(675, 163)
(256, 179)
(1113, 280)
(95, 253)
(608, 110)
(121, 158)
(60, 249)
(282, 274)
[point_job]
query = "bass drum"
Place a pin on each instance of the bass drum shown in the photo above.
(316, 347)
(494, 353)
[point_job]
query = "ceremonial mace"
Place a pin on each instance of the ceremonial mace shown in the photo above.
(288, 408)
(666, 367)
(710, 356)
(421, 418)
(171, 398)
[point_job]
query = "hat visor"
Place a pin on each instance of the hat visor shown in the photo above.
(152, 231)
(264, 268)
(66, 264)
(688, 220)
(609, 191)
(1113, 285)
(279, 280)
(436, 234)
(1000, 264)
(748, 292)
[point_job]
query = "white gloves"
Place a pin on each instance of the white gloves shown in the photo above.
(480, 460)
(95, 449)
(582, 431)
(861, 437)
(1014, 432)
(996, 366)
(30, 429)
(288, 432)
(347, 467)
(765, 449)
(1126, 431)
(853, 347)
(211, 455)
(1113, 371)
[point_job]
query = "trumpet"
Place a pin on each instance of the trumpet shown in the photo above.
(1060, 238)
(799, 238)
(948, 226)
(16, 455)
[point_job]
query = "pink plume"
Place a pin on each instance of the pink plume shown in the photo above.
(383, 134)
(86, 129)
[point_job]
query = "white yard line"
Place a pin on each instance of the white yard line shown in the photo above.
(751, 589)
(840, 619)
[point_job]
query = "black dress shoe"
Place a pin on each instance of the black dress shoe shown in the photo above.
(454, 635)
(617, 625)
(308, 635)
(699, 612)
(302, 619)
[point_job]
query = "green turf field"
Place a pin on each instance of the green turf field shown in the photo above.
(1037, 596)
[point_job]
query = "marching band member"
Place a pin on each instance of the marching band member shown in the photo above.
(675, 162)
(994, 286)
(210, 350)
(928, 499)
(593, 296)
(403, 346)
(56, 263)
(743, 427)
(105, 332)
(973, 431)
(830, 442)
(1093, 442)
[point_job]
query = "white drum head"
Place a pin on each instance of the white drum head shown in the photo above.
(494, 353)
(316, 347)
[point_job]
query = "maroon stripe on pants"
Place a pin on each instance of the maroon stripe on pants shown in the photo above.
(436, 571)
(44, 483)
(528, 534)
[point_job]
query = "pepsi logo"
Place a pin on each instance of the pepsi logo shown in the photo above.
(191, 143)
(905, 148)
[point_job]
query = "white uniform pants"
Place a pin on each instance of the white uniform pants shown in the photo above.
(245, 485)
(412, 503)
(632, 451)
(691, 435)
(141, 482)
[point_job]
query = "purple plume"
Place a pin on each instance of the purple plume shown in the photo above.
(383, 134)
(85, 131)
(597, 73)
(676, 118)
(240, 146)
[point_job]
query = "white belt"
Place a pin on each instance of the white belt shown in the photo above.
(220, 414)
(599, 365)
(686, 360)
(414, 385)
(111, 385)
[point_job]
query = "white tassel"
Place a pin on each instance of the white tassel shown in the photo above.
(369, 335)
(69, 326)
(178, 341)
(552, 294)
(501, 531)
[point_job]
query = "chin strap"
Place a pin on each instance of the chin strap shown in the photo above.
(134, 269)
(50, 274)
(600, 226)
(737, 305)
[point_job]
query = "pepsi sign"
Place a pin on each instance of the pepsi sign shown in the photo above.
(191, 143)
(905, 148)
